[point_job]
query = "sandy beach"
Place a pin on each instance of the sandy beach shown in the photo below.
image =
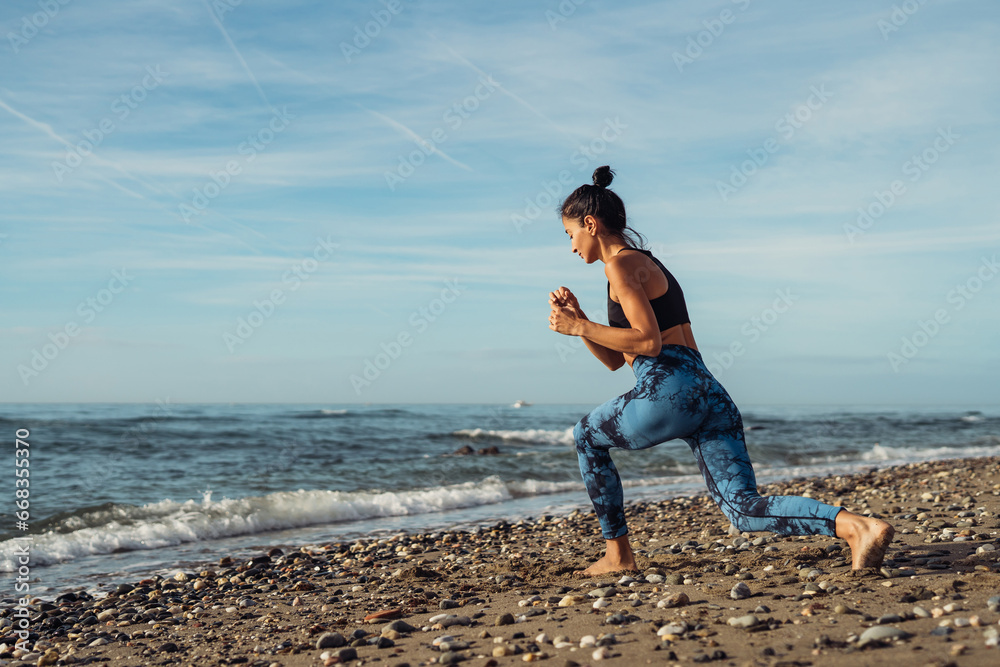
(506, 594)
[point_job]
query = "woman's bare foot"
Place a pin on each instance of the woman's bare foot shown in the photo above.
(868, 538)
(619, 557)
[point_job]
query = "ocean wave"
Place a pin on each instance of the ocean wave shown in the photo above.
(322, 414)
(531, 435)
(990, 446)
(328, 413)
(116, 528)
(908, 455)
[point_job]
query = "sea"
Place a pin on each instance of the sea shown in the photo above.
(119, 492)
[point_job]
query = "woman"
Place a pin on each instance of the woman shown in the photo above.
(675, 395)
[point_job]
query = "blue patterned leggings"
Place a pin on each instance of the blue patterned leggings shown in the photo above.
(676, 396)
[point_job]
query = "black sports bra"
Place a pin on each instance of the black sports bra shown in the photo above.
(669, 308)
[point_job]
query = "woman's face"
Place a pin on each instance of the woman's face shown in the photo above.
(582, 241)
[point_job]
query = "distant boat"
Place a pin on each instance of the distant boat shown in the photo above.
(520, 404)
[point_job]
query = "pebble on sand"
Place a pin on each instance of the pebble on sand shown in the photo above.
(879, 633)
(747, 621)
(740, 591)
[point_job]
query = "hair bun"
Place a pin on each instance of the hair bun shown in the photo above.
(603, 176)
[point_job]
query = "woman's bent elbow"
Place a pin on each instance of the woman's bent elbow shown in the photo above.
(652, 348)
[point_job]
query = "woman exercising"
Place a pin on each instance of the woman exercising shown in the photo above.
(675, 395)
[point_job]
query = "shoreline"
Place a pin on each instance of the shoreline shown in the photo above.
(803, 603)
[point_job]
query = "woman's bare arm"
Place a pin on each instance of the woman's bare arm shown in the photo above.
(563, 298)
(644, 335)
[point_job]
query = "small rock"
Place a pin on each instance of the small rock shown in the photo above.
(673, 600)
(740, 591)
(878, 633)
(383, 615)
(571, 600)
(747, 621)
(399, 626)
(330, 640)
(672, 629)
(508, 619)
(602, 592)
(448, 620)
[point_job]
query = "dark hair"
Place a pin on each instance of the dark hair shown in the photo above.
(597, 200)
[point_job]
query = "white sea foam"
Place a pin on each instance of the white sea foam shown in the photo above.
(168, 523)
(897, 455)
(531, 435)
(118, 528)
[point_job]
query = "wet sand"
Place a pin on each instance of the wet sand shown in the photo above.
(505, 594)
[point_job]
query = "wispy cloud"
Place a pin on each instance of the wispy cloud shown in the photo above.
(239, 56)
(518, 151)
(420, 141)
(503, 89)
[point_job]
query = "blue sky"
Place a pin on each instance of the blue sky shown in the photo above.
(386, 201)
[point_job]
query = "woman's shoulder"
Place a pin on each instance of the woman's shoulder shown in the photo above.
(625, 262)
